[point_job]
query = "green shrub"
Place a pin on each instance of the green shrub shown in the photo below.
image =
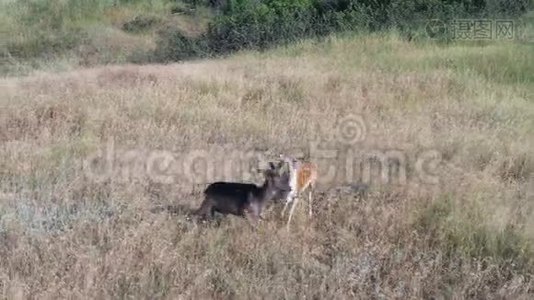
(251, 26)
(173, 45)
(507, 8)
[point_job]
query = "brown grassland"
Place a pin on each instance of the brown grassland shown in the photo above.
(64, 234)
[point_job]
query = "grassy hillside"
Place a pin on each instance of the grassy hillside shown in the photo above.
(66, 34)
(66, 232)
(63, 35)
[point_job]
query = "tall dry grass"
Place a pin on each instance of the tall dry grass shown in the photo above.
(467, 236)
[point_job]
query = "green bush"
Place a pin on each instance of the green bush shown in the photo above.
(257, 26)
(507, 8)
(173, 45)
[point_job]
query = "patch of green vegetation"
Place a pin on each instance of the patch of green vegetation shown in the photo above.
(39, 33)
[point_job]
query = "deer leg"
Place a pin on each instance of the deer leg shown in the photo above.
(266, 211)
(252, 218)
(285, 207)
(310, 200)
(261, 213)
(292, 211)
(206, 208)
(290, 197)
(253, 212)
(310, 203)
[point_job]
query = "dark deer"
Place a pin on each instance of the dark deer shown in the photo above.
(243, 199)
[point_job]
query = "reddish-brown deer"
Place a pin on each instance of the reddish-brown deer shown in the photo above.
(302, 176)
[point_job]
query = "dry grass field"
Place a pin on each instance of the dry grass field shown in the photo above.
(86, 156)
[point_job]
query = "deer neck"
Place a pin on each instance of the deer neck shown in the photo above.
(293, 176)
